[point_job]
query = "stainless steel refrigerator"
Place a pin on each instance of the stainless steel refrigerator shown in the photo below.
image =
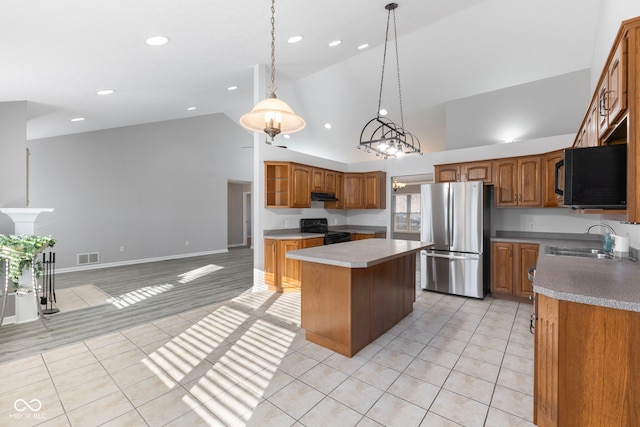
(456, 218)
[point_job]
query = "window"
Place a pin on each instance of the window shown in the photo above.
(406, 216)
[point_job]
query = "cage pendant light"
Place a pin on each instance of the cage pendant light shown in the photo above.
(272, 115)
(381, 135)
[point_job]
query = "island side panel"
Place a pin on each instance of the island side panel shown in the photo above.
(335, 307)
(409, 278)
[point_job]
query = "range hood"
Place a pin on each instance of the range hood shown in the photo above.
(323, 197)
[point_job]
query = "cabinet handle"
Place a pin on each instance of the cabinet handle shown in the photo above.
(532, 325)
(532, 319)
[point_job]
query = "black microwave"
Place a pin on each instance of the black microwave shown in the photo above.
(594, 177)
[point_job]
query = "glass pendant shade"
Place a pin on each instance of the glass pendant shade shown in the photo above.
(272, 116)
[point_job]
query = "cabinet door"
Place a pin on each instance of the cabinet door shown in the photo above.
(270, 263)
(477, 171)
(550, 198)
(330, 181)
(505, 182)
(529, 181)
(289, 268)
(502, 267)
(527, 258)
(374, 184)
(447, 173)
(317, 180)
(353, 191)
(339, 192)
(617, 77)
(546, 374)
(301, 186)
(591, 128)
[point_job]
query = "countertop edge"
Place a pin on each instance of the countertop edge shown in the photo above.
(299, 255)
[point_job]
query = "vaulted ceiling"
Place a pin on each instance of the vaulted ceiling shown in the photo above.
(57, 54)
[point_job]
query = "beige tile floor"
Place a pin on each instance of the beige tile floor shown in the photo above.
(452, 362)
(77, 297)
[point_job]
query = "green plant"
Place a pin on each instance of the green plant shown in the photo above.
(20, 252)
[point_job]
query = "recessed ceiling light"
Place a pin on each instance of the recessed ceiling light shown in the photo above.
(191, 108)
(157, 40)
(77, 119)
(295, 39)
(232, 88)
(105, 92)
(363, 46)
(335, 43)
(383, 112)
(287, 136)
(327, 125)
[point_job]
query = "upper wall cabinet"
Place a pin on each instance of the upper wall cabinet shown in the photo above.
(287, 185)
(549, 171)
(469, 171)
(365, 190)
(612, 93)
(518, 182)
(323, 180)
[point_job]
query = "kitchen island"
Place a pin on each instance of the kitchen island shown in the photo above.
(353, 292)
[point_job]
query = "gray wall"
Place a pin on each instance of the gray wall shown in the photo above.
(149, 188)
(548, 107)
(13, 169)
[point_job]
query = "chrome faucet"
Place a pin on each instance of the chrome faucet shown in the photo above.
(601, 225)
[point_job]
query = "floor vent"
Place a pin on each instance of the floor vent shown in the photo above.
(90, 258)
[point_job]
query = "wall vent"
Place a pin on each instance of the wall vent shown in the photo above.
(90, 258)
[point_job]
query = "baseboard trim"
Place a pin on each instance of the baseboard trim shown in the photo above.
(138, 261)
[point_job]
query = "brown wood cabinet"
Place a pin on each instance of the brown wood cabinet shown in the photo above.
(517, 182)
(281, 273)
(344, 309)
(339, 192)
(287, 185)
(510, 263)
(468, 171)
(587, 365)
(375, 186)
(365, 190)
(353, 191)
(323, 180)
(550, 198)
(612, 93)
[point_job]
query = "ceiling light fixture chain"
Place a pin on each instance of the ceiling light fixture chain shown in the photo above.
(395, 37)
(381, 135)
(384, 55)
(272, 88)
(272, 115)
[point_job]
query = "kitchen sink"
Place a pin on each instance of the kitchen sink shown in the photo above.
(578, 252)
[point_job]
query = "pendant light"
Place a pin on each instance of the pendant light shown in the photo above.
(381, 135)
(272, 115)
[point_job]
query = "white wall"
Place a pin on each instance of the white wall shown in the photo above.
(553, 106)
(148, 188)
(13, 169)
(612, 13)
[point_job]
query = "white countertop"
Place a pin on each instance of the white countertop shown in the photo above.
(359, 253)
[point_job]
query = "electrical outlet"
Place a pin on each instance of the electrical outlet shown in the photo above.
(186, 243)
(532, 226)
(121, 248)
(286, 223)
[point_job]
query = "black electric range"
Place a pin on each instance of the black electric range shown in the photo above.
(321, 225)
